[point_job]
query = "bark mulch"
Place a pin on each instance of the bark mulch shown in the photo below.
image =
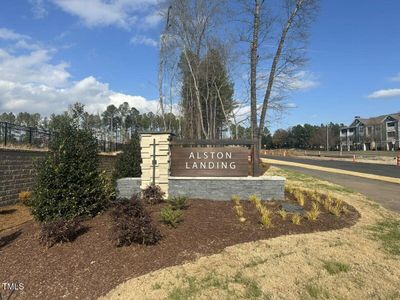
(91, 266)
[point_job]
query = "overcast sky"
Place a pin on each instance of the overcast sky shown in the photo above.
(56, 52)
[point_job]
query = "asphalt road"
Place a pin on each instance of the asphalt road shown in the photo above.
(376, 169)
(385, 193)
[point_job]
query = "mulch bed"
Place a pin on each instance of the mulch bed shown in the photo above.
(91, 266)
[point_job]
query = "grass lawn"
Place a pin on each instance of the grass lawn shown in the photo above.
(360, 262)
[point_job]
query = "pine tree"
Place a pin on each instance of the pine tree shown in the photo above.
(128, 162)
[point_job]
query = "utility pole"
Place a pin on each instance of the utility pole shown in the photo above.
(327, 138)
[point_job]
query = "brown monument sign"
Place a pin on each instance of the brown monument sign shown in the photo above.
(209, 162)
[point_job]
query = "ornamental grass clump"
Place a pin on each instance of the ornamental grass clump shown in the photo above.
(296, 219)
(282, 213)
(256, 201)
(289, 189)
(265, 215)
(171, 217)
(238, 208)
(313, 214)
(235, 199)
(24, 197)
(153, 194)
(333, 205)
(300, 198)
(132, 224)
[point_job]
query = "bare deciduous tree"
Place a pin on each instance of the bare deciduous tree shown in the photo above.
(288, 31)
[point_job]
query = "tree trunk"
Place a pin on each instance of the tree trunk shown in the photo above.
(253, 85)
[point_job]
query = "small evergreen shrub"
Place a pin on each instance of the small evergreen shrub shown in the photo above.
(177, 202)
(171, 216)
(60, 231)
(69, 183)
(153, 194)
(128, 162)
(132, 224)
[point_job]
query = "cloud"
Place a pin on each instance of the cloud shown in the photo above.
(384, 93)
(143, 40)
(33, 82)
(34, 68)
(395, 78)
(290, 105)
(38, 9)
(302, 80)
(120, 13)
(8, 34)
(46, 100)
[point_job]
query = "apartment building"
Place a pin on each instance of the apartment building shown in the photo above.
(377, 133)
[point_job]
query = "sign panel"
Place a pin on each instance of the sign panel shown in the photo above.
(209, 162)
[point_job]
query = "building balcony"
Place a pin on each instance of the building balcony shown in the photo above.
(390, 129)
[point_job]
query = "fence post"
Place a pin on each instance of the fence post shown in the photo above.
(30, 136)
(5, 133)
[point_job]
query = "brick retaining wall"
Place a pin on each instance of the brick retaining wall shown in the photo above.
(17, 171)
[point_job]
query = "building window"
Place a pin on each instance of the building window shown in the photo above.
(361, 129)
(391, 134)
(390, 124)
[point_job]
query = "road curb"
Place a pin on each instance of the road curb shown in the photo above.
(331, 170)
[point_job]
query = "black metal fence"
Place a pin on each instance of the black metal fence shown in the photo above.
(13, 135)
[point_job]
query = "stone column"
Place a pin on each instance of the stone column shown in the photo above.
(162, 156)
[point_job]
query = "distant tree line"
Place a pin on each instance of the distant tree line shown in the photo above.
(305, 136)
(128, 121)
(124, 120)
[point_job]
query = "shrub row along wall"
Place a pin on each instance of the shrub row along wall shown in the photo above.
(17, 171)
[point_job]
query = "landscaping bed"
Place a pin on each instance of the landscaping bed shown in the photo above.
(91, 265)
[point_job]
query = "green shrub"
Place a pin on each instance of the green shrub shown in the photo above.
(69, 183)
(153, 194)
(60, 231)
(132, 224)
(128, 162)
(171, 216)
(177, 202)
